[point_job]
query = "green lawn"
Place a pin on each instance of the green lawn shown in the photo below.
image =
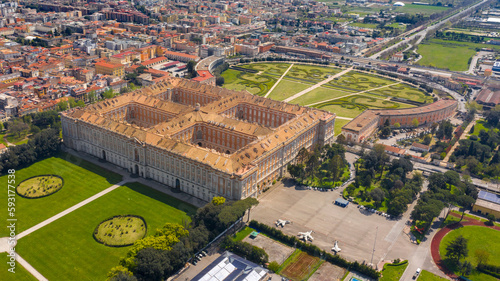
(356, 81)
(243, 233)
(397, 25)
(274, 68)
(255, 84)
(319, 94)
(478, 238)
(339, 123)
(453, 55)
(427, 276)
(69, 244)
(341, 111)
(287, 88)
(419, 9)
(393, 273)
(81, 180)
(20, 274)
(404, 91)
(364, 25)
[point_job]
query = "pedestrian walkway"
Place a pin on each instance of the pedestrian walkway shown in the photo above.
(318, 85)
(344, 118)
(30, 268)
(464, 135)
(358, 93)
(279, 80)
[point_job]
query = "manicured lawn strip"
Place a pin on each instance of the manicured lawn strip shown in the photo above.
(255, 84)
(82, 179)
(397, 25)
(274, 68)
(472, 217)
(405, 92)
(364, 25)
(68, 242)
(427, 276)
(311, 72)
(479, 237)
(20, 273)
(287, 89)
(358, 81)
(317, 95)
(420, 9)
(393, 273)
(339, 123)
(243, 233)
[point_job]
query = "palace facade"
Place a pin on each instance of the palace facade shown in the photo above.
(365, 124)
(203, 140)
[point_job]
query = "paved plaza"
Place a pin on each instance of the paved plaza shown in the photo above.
(357, 231)
(277, 252)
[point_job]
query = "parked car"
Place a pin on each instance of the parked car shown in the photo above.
(417, 273)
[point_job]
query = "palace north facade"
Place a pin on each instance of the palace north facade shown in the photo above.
(203, 140)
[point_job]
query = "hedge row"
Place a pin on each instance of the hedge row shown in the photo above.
(313, 250)
(246, 250)
(489, 269)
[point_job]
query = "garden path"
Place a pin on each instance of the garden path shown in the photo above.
(279, 80)
(30, 268)
(464, 135)
(318, 85)
(354, 94)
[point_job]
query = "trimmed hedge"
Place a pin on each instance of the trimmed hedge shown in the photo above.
(247, 250)
(96, 230)
(489, 269)
(313, 250)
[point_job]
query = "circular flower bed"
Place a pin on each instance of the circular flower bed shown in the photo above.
(39, 186)
(120, 231)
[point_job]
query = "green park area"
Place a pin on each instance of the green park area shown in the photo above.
(71, 236)
(447, 54)
(311, 73)
(81, 180)
(364, 25)
(483, 244)
(393, 272)
(428, 276)
(319, 94)
(356, 81)
(268, 68)
(286, 89)
(19, 274)
(257, 84)
(420, 9)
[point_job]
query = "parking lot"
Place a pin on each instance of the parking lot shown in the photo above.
(358, 231)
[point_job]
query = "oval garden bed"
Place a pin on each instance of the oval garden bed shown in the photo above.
(120, 231)
(40, 186)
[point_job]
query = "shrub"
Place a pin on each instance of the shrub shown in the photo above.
(251, 253)
(274, 266)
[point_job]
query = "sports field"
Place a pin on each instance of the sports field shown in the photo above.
(420, 9)
(66, 249)
(81, 180)
(301, 267)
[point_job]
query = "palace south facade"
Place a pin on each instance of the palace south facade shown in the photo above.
(203, 140)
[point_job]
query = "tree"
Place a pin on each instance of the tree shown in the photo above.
(18, 128)
(457, 249)
(491, 219)
(120, 273)
(296, 171)
(152, 264)
(219, 81)
(218, 200)
(108, 94)
(302, 155)
(191, 68)
(465, 268)
(415, 122)
(341, 139)
(336, 167)
(378, 195)
(427, 139)
(397, 125)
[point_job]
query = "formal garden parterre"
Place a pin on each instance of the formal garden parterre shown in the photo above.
(40, 186)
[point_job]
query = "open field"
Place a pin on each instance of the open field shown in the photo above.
(393, 272)
(81, 180)
(453, 55)
(478, 237)
(364, 25)
(277, 251)
(319, 94)
(397, 25)
(20, 274)
(311, 73)
(287, 88)
(301, 267)
(243, 233)
(68, 242)
(427, 276)
(420, 9)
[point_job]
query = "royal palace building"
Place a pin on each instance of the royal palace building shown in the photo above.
(203, 140)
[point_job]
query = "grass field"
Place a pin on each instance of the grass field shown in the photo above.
(355, 82)
(427, 276)
(301, 266)
(69, 244)
(481, 125)
(255, 84)
(273, 68)
(20, 274)
(341, 111)
(478, 238)
(393, 273)
(453, 55)
(419, 9)
(397, 25)
(81, 180)
(339, 123)
(243, 233)
(364, 25)
(404, 91)
(287, 89)
(319, 94)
